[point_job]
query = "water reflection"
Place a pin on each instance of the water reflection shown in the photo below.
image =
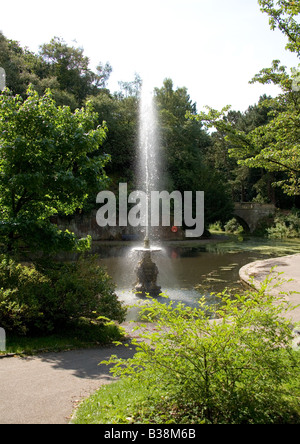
(188, 271)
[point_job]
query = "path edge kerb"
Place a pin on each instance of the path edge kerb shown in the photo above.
(246, 274)
(254, 273)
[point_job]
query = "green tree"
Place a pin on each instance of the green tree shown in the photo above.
(182, 141)
(277, 144)
(62, 68)
(50, 163)
(69, 70)
(272, 145)
(283, 15)
(121, 115)
(185, 145)
(129, 89)
(246, 183)
(22, 66)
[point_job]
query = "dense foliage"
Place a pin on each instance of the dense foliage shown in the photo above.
(233, 363)
(286, 226)
(50, 163)
(185, 144)
(46, 297)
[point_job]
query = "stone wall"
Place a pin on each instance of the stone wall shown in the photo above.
(83, 225)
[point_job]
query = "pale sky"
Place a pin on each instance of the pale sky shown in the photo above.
(212, 47)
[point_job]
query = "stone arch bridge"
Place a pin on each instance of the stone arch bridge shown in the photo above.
(249, 214)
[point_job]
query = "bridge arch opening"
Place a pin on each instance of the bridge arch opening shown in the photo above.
(243, 223)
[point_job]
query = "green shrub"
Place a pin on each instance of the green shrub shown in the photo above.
(42, 299)
(232, 226)
(286, 226)
(12, 314)
(236, 368)
(216, 227)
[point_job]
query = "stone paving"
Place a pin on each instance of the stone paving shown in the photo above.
(289, 266)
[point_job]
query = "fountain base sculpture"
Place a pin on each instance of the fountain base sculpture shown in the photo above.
(147, 273)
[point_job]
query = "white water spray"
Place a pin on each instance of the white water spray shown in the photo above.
(148, 166)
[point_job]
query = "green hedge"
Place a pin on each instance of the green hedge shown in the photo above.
(44, 298)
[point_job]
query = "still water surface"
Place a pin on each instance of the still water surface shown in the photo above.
(189, 270)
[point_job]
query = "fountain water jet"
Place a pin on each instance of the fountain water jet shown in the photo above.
(147, 271)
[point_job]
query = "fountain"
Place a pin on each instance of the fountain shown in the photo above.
(147, 270)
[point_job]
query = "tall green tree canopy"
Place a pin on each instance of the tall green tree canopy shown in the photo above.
(283, 15)
(275, 145)
(182, 141)
(246, 183)
(22, 66)
(50, 163)
(184, 144)
(62, 68)
(70, 68)
(121, 115)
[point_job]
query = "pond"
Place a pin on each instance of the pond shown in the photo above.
(189, 270)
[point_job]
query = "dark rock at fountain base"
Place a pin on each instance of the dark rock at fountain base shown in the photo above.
(147, 273)
(144, 292)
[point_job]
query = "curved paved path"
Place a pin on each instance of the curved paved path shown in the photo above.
(44, 389)
(289, 266)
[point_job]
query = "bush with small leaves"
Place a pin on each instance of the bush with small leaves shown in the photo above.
(232, 363)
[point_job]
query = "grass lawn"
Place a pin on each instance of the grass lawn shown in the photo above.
(122, 402)
(77, 336)
(130, 402)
